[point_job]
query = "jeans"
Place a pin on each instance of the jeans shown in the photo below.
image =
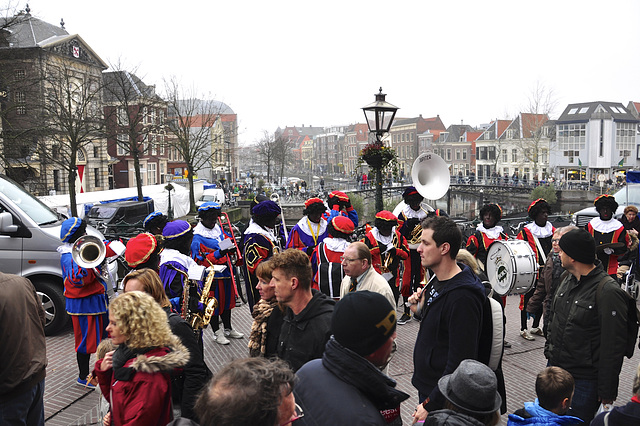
(585, 400)
(24, 409)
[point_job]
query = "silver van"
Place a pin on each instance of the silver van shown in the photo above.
(29, 238)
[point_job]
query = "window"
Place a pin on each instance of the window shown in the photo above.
(55, 152)
(123, 117)
(20, 99)
(19, 74)
(491, 153)
(448, 154)
(154, 144)
(411, 137)
(573, 110)
(96, 177)
(514, 155)
(458, 154)
(96, 151)
(123, 148)
(625, 137)
(464, 154)
(56, 180)
(505, 156)
(583, 110)
(572, 136)
(152, 175)
(145, 115)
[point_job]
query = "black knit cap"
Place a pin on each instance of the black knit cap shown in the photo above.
(579, 245)
(363, 321)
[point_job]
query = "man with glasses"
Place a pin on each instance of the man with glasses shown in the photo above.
(347, 386)
(306, 323)
(360, 275)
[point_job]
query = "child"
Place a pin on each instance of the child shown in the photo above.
(554, 388)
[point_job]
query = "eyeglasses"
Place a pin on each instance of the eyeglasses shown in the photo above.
(297, 415)
(346, 259)
(555, 240)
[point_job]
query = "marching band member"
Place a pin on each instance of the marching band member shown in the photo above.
(486, 233)
(86, 298)
(326, 260)
(340, 205)
(155, 222)
(388, 247)
(175, 257)
(538, 234)
(409, 223)
(142, 252)
(311, 229)
(260, 243)
(609, 233)
(205, 250)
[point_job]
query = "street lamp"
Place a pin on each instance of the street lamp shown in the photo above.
(379, 115)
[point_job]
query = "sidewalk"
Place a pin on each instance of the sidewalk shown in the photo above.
(68, 404)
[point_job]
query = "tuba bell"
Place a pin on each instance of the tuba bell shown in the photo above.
(88, 251)
(430, 174)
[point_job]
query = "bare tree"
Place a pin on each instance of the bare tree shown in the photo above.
(283, 150)
(267, 151)
(133, 110)
(536, 134)
(73, 118)
(191, 119)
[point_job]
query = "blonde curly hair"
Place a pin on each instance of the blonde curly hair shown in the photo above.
(141, 320)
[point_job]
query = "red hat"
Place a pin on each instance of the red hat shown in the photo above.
(139, 248)
(386, 215)
(339, 195)
(539, 200)
(603, 197)
(312, 201)
(343, 224)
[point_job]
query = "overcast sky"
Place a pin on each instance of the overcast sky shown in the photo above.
(279, 63)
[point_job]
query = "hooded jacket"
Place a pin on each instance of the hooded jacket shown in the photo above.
(345, 388)
(140, 391)
(451, 418)
(303, 336)
(627, 415)
(449, 332)
(534, 414)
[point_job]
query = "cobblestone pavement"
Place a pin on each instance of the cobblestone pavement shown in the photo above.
(68, 404)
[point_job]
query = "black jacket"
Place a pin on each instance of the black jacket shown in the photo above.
(451, 418)
(344, 388)
(303, 336)
(627, 415)
(586, 338)
(186, 385)
(449, 332)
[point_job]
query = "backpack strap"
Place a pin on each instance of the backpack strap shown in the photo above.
(606, 418)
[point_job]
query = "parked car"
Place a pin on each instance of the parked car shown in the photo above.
(582, 217)
(29, 238)
(215, 195)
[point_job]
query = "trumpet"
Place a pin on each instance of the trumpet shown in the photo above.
(276, 199)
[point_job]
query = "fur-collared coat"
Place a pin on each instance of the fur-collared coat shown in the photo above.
(140, 391)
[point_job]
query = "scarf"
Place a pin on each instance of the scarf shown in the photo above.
(120, 358)
(353, 369)
(258, 337)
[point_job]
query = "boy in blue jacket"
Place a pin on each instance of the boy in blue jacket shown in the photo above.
(554, 388)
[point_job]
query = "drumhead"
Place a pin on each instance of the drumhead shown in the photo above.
(500, 267)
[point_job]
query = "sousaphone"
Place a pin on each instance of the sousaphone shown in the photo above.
(430, 176)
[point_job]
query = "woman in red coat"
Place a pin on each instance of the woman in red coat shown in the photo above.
(136, 377)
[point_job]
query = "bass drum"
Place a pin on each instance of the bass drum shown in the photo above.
(511, 267)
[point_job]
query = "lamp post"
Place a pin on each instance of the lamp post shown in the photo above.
(379, 115)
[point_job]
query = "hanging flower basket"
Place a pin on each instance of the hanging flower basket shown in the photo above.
(377, 156)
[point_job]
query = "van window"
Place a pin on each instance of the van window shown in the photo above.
(31, 206)
(102, 212)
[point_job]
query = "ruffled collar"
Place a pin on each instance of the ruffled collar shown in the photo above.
(414, 214)
(540, 231)
(379, 237)
(605, 226)
(493, 233)
(336, 244)
(318, 228)
(213, 233)
(254, 228)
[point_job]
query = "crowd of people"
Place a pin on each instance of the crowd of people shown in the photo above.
(324, 311)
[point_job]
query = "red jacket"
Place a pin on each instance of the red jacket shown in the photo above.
(144, 398)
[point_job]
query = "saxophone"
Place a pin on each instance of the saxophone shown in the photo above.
(199, 320)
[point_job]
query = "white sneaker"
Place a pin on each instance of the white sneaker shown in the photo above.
(537, 330)
(233, 334)
(219, 337)
(525, 335)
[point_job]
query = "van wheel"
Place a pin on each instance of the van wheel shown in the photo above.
(53, 302)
